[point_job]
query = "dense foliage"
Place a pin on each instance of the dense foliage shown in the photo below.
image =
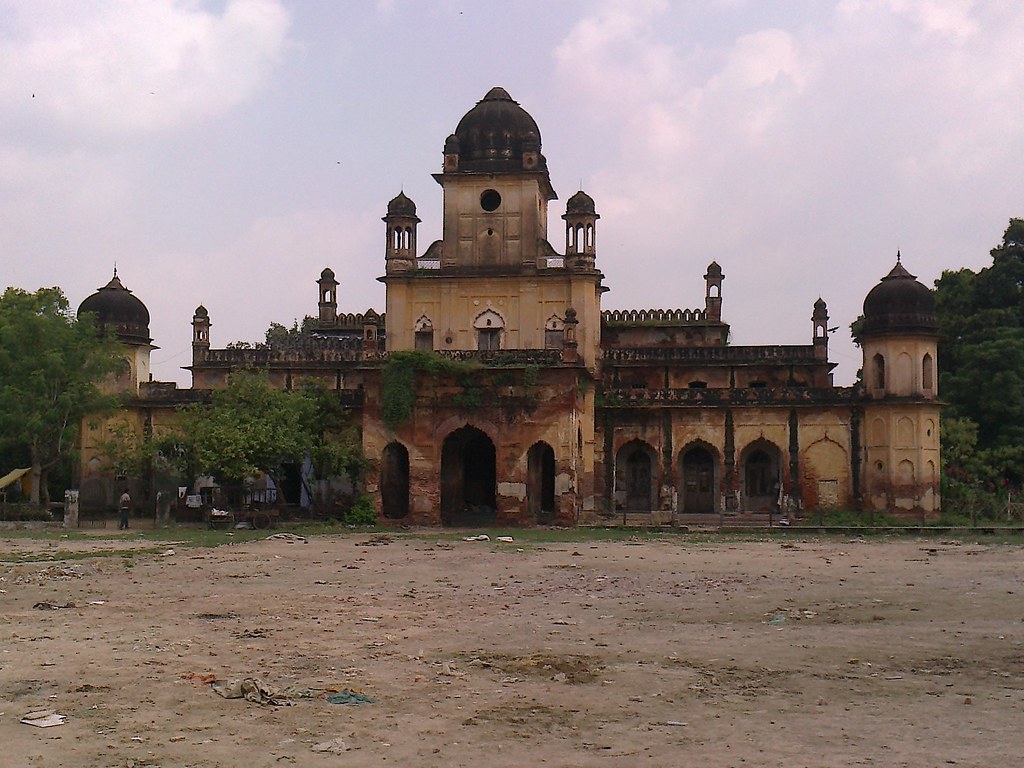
(398, 383)
(250, 427)
(981, 369)
(52, 367)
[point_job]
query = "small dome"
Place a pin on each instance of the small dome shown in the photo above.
(581, 202)
(494, 134)
(401, 206)
(201, 311)
(117, 310)
(327, 274)
(713, 270)
(899, 304)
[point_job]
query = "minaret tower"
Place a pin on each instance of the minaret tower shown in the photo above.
(898, 336)
(400, 252)
(580, 231)
(713, 291)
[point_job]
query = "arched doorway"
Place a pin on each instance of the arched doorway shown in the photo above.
(394, 481)
(634, 477)
(761, 478)
(697, 465)
(468, 478)
(540, 488)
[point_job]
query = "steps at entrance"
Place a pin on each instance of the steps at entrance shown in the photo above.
(659, 518)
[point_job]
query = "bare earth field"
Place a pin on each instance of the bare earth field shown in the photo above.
(671, 651)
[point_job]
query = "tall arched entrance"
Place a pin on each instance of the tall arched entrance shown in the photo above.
(697, 469)
(761, 477)
(540, 488)
(468, 478)
(394, 481)
(634, 477)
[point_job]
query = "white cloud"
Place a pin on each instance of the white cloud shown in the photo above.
(800, 156)
(125, 68)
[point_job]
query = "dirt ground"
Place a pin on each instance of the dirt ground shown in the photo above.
(676, 651)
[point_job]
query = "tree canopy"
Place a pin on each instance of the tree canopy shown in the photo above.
(52, 368)
(981, 364)
(249, 427)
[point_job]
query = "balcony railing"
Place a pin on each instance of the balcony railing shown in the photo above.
(626, 398)
(777, 353)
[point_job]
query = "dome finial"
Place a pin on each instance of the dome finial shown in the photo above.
(115, 269)
(898, 257)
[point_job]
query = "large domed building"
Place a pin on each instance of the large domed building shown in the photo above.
(121, 315)
(541, 407)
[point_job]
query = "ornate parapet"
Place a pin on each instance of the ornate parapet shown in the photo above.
(628, 317)
(314, 349)
(777, 353)
(509, 357)
(790, 396)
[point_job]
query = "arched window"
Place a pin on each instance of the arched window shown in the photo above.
(423, 333)
(879, 371)
(927, 372)
(488, 326)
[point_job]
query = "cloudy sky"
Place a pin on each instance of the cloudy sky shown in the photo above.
(224, 152)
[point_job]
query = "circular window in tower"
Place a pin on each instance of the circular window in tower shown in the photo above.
(490, 200)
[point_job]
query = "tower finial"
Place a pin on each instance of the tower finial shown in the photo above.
(897, 255)
(115, 269)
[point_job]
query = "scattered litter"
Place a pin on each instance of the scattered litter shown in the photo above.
(52, 607)
(167, 552)
(60, 572)
(334, 746)
(44, 718)
(506, 539)
(381, 539)
(251, 689)
(97, 602)
(675, 722)
(243, 525)
(564, 622)
(349, 697)
(449, 671)
(291, 538)
(479, 537)
(205, 679)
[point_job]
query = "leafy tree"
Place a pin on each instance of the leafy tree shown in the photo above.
(52, 368)
(250, 427)
(981, 364)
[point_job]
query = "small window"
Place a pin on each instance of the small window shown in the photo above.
(879, 362)
(698, 385)
(424, 340)
(927, 375)
(488, 339)
(490, 200)
(554, 339)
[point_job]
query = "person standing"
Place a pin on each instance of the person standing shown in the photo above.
(124, 505)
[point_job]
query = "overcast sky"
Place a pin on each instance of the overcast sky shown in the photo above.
(224, 153)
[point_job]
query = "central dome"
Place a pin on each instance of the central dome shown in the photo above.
(117, 310)
(495, 135)
(898, 305)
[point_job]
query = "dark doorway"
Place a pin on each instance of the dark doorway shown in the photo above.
(290, 491)
(468, 478)
(394, 481)
(698, 481)
(634, 477)
(540, 489)
(761, 482)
